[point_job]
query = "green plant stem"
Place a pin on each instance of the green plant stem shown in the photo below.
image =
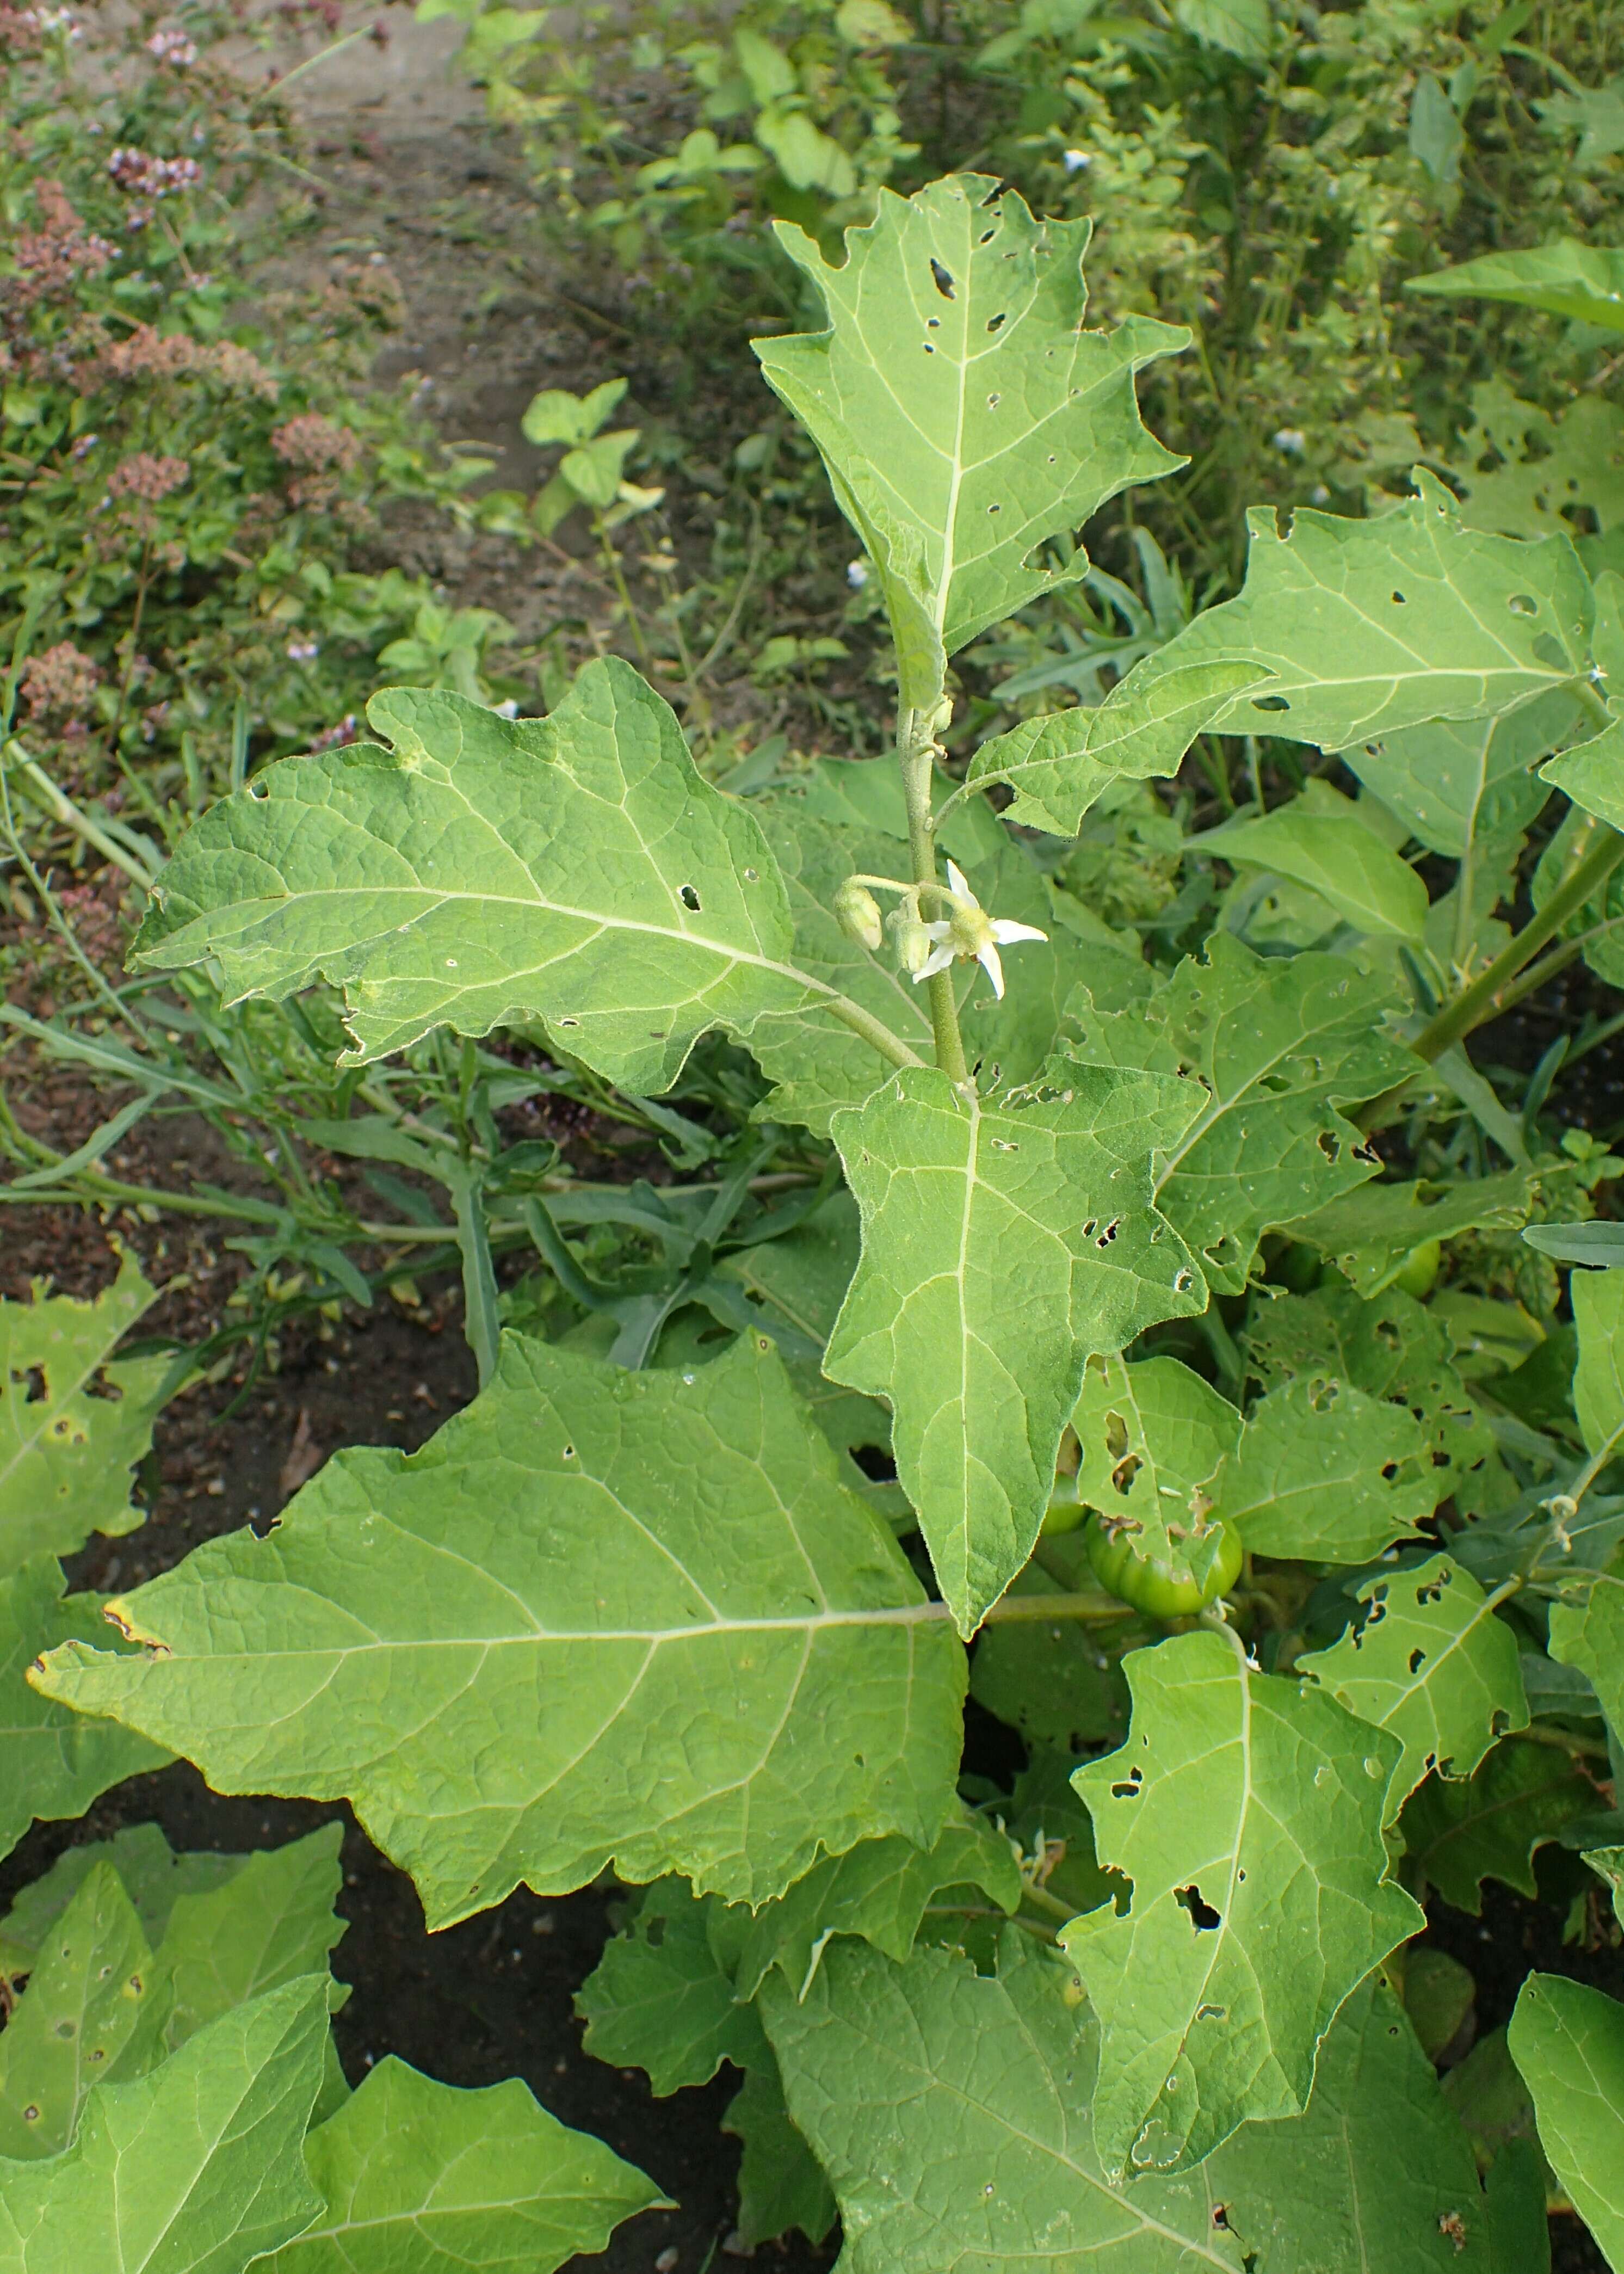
(1090, 1604)
(1566, 1740)
(915, 754)
(1485, 996)
(61, 807)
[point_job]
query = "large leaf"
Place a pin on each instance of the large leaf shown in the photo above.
(575, 869)
(192, 2169)
(1325, 1473)
(1458, 1834)
(1431, 1663)
(662, 1998)
(417, 2177)
(1564, 278)
(1319, 840)
(53, 1763)
(951, 2111)
(1059, 763)
(1458, 783)
(1278, 1044)
(1153, 1437)
(1589, 1633)
(965, 416)
(1568, 2042)
(94, 2009)
(1246, 1811)
(1005, 1240)
(73, 1420)
(1523, 471)
(600, 1615)
(1372, 626)
(271, 1922)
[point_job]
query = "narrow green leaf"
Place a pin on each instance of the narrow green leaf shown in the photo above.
(951, 2113)
(662, 1997)
(575, 869)
(1325, 1473)
(94, 2009)
(1278, 1045)
(1059, 764)
(1568, 2042)
(781, 2184)
(1432, 1664)
(73, 1420)
(1372, 626)
(878, 1890)
(1153, 1436)
(1247, 1812)
(1005, 1242)
(418, 2177)
(53, 1763)
(195, 2168)
(965, 415)
(271, 1922)
(1319, 840)
(700, 1652)
(1564, 278)
(1458, 1834)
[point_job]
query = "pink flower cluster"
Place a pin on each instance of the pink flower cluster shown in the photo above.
(142, 177)
(49, 258)
(150, 354)
(147, 478)
(60, 684)
(320, 451)
(172, 48)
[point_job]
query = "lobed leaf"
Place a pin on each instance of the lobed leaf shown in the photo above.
(965, 415)
(1246, 1813)
(1432, 1664)
(1153, 1436)
(1568, 2042)
(1005, 1240)
(1589, 1633)
(781, 2183)
(576, 869)
(419, 2178)
(1487, 1827)
(154, 1878)
(1325, 1473)
(601, 1614)
(74, 1420)
(662, 1997)
(1371, 1233)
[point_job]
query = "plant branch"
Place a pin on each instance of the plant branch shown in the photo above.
(915, 754)
(1091, 1604)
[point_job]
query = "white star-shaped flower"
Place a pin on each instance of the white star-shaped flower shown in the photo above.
(969, 930)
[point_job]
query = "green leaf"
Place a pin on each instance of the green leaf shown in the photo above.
(700, 1652)
(73, 1420)
(557, 416)
(1369, 1234)
(1568, 2042)
(879, 1890)
(1458, 783)
(1278, 1044)
(1590, 1634)
(781, 2185)
(94, 2009)
(53, 1763)
(192, 2169)
(951, 2111)
(1052, 1681)
(1432, 1664)
(1436, 135)
(1058, 764)
(1521, 471)
(1589, 774)
(575, 869)
(418, 2177)
(662, 1997)
(1246, 1811)
(596, 469)
(1005, 1242)
(1564, 278)
(1597, 1247)
(1153, 1436)
(1458, 1834)
(270, 1923)
(1598, 1300)
(151, 1876)
(1319, 840)
(965, 415)
(1372, 626)
(1326, 1474)
(1608, 1864)
(1241, 27)
(1439, 1996)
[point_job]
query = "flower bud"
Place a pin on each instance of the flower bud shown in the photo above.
(914, 942)
(857, 913)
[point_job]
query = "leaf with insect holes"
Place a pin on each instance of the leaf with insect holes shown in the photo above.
(1432, 1664)
(1059, 763)
(1278, 1045)
(600, 1615)
(419, 2178)
(1584, 282)
(1153, 1436)
(965, 416)
(951, 2111)
(1371, 1233)
(575, 869)
(1326, 1474)
(1372, 626)
(1247, 1812)
(74, 1420)
(53, 1763)
(1568, 2042)
(1005, 1240)
(1487, 1827)
(195, 2168)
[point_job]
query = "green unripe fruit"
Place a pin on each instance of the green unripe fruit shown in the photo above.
(913, 944)
(1150, 1583)
(1420, 1269)
(857, 913)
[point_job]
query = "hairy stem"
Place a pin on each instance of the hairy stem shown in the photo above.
(915, 754)
(1087, 1603)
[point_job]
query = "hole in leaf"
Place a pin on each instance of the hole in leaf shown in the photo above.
(993, 400)
(32, 1379)
(943, 279)
(1329, 1144)
(1203, 1917)
(1398, 600)
(1270, 703)
(1125, 1472)
(1129, 1789)
(1115, 1435)
(1417, 1659)
(995, 323)
(1524, 603)
(690, 898)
